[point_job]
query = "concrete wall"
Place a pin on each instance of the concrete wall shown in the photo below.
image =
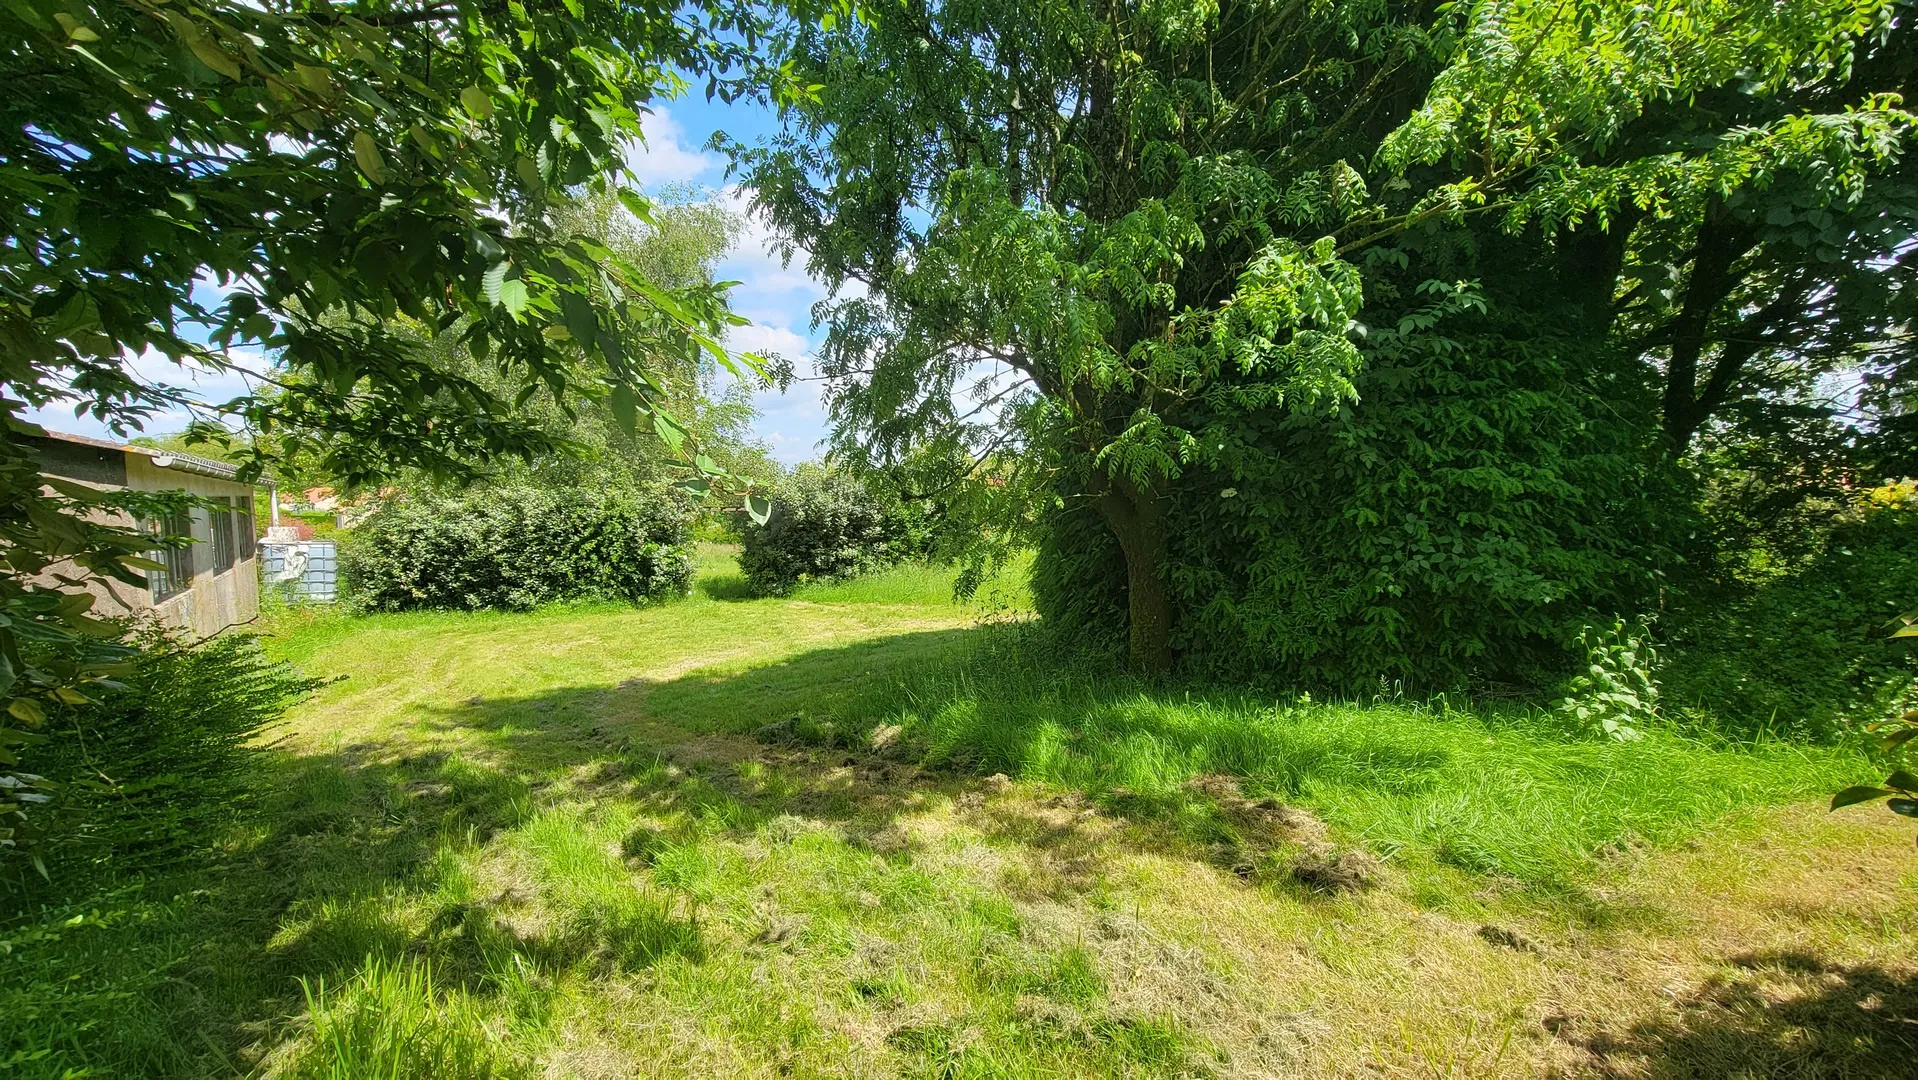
(215, 600)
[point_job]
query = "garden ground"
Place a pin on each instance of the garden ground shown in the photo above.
(867, 831)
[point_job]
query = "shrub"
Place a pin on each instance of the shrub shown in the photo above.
(1807, 653)
(151, 770)
(1455, 524)
(517, 548)
(824, 526)
(1614, 693)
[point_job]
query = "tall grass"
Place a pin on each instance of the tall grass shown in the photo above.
(391, 1021)
(1502, 791)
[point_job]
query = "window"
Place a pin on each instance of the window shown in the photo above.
(178, 575)
(220, 523)
(243, 524)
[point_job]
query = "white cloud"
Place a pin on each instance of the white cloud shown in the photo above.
(765, 338)
(667, 157)
(777, 297)
(206, 385)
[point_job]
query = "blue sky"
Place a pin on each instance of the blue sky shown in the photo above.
(778, 299)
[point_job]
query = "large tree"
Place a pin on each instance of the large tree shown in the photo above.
(678, 248)
(1739, 292)
(1057, 227)
(193, 179)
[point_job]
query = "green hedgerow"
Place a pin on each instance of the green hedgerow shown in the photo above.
(518, 548)
(826, 526)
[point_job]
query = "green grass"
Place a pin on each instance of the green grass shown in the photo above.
(392, 1020)
(717, 577)
(597, 840)
(1510, 793)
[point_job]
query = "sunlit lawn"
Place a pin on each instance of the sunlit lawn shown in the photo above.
(734, 836)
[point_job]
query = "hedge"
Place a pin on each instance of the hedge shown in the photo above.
(518, 548)
(825, 526)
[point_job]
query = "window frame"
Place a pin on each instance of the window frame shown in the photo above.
(164, 585)
(244, 526)
(220, 529)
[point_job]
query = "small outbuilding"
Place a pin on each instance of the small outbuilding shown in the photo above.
(205, 588)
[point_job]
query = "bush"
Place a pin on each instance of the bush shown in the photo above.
(1457, 524)
(152, 770)
(826, 526)
(1615, 693)
(517, 548)
(1807, 653)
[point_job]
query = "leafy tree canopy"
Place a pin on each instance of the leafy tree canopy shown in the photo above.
(678, 247)
(1072, 223)
(185, 179)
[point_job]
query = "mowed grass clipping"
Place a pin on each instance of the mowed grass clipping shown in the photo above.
(733, 836)
(1503, 791)
(1498, 794)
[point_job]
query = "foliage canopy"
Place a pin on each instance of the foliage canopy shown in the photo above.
(1085, 233)
(199, 181)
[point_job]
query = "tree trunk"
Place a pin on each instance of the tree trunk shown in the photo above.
(1720, 244)
(1136, 517)
(1589, 262)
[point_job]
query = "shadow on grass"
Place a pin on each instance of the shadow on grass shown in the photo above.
(725, 587)
(1777, 1014)
(359, 852)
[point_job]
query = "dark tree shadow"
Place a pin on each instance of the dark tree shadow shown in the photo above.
(351, 852)
(727, 587)
(1778, 1014)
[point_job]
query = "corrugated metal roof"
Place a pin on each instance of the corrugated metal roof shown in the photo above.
(163, 458)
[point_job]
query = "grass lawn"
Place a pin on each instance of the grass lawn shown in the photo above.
(867, 831)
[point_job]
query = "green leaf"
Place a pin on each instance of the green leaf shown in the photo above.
(1902, 780)
(708, 466)
(314, 77)
(528, 171)
(477, 103)
(1897, 739)
(581, 321)
(76, 492)
(367, 154)
(512, 296)
(99, 628)
(1853, 795)
(759, 508)
(75, 29)
(625, 406)
(1907, 807)
(638, 205)
(27, 711)
(212, 55)
(669, 431)
(491, 281)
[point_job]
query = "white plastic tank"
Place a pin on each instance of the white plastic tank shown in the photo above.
(301, 569)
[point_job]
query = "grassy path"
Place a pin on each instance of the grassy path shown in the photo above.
(771, 838)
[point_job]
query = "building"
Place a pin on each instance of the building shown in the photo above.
(207, 587)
